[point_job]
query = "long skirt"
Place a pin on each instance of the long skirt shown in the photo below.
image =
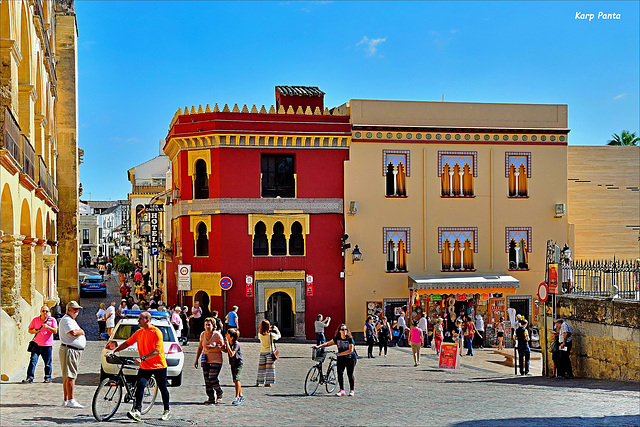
(266, 369)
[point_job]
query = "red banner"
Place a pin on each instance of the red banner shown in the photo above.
(249, 287)
(553, 278)
(449, 358)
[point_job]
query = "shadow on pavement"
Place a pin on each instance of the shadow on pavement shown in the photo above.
(77, 419)
(620, 420)
(587, 383)
(83, 379)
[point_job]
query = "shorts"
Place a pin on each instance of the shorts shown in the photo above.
(236, 371)
(500, 334)
(69, 361)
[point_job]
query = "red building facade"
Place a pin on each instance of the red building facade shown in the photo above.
(260, 201)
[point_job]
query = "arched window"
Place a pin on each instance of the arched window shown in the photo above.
(518, 172)
(391, 259)
(390, 180)
(296, 240)
(446, 255)
(202, 241)
(260, 241)
(513, 255)
(278, 240)
(401, 189)
(457, 170)
(201, 187)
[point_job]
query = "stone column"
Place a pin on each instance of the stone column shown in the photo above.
(27, 252)
(67, 148)
(11, 273)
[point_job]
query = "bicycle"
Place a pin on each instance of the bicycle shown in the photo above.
(108, 395)
(315, 376)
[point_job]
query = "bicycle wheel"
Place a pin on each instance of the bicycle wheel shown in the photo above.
(149, 396)
(106, 399)
(332, 379)
(312, 381)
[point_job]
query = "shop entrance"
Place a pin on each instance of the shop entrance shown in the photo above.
(203, 297)
(280, 313)
(521, 306)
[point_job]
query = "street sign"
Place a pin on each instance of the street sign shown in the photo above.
(553, 278)
(154, 250)
(543, 291)
(249, 281)
(184, 277)
(226, 283)
(154, 208)
(309, 281)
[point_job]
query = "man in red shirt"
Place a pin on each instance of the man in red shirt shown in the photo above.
(470, 331)
(152, 362)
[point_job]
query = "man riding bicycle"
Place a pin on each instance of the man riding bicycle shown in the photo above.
(151, 361)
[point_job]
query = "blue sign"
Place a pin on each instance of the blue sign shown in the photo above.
(154, 250)
(226, 283)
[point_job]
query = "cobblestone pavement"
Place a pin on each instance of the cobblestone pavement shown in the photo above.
(389, 391)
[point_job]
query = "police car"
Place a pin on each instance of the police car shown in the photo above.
(126, 327)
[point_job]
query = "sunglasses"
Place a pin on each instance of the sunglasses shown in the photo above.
(343, 329)
(45, 311)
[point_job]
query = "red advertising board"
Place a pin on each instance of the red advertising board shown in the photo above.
(449, 358)
(553, 278)
(309, 285)
(249, 283)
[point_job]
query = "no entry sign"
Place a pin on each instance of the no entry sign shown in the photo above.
(226, 283)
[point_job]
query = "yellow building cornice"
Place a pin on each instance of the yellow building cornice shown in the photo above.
(524, 137)
(279, 275)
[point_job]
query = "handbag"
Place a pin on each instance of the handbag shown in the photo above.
(32, 347)
(553, 347)
(275, 353)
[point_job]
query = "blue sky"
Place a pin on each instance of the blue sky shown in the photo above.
(139, 61)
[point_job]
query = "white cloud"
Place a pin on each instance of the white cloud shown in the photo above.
(371, 45)
(622, 95)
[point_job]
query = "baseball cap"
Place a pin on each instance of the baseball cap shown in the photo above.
(73, 304)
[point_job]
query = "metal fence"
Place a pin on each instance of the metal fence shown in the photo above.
(605, 278)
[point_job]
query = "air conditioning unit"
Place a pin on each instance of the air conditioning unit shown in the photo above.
(561, 209)
(353, 207)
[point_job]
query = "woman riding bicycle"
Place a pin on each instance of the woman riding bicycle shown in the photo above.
(346, 357)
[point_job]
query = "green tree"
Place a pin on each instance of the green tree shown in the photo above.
(625, 138)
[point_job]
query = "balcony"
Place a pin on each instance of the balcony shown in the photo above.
(148, 189)
(10, 147)
(47, 191)
(43, 34)
(28, 172)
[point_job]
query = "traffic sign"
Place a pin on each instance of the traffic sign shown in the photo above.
(543, 291)
(184, 277)
(226, 283)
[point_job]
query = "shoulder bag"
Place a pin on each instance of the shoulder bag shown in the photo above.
(274, 350)
(32, 347)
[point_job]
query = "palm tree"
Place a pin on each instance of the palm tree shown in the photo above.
(625, 138)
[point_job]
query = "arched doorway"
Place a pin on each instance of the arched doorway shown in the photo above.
(203, 297)
(280, 313)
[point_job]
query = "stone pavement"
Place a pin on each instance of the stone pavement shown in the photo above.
(389, 391)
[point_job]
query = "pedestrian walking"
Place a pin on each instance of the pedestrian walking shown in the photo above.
(235, 362)
(457, 335)
(500, 333)
(402, 325)
(198, 320)
(266, 364)
(524, 353)
(101, 320)
(370, 336)
(554, 348)
(479, 337)
(72, 344)
(176, 321)
(469, 333)
(157, 294)
(110, 318)
(384, 336)
(152, 362)
(43, 327)
(438, 334)
(566, 342)
(184, 335)
(423, 325)
(211, 346)
(231, 318)
(218, 324)
(346, 358)
(416, 337)
(319, 326)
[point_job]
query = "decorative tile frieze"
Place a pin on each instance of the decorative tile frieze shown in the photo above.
(245, 206)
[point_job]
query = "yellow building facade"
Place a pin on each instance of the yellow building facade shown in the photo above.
(32, 83)
(452, 200)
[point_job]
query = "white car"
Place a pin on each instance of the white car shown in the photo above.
(126, 327)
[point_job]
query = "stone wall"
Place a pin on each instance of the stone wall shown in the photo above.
(606, 336)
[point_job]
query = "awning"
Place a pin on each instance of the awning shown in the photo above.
(443, 284)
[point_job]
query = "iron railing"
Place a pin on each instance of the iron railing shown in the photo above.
(604, 278)
(28, 159)
(11, 140)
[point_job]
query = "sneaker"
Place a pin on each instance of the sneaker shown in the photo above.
(27, 381)
(209, 402)
(241, 400)
(66, 402)
(218, 398)
(352, 393)
(235, 401)
(134, 414)
(48, 380)
(73, 404)
(166, 416)
(341, 393)
(528, 374)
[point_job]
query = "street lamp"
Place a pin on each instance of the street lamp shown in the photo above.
(356, 255)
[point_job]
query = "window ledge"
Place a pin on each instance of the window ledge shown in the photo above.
(396, 271)
(201, 256)
(395, 197)
(458, 271)
(279, 256)
(518, 269)
(517, 197)
(458, 197)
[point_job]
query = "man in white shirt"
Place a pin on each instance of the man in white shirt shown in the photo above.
(72, 343)
(110, 317)
(423, 325)
(402, 325)
(319, 326)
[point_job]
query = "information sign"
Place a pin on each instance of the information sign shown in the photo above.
(449, 357)
(184, 277)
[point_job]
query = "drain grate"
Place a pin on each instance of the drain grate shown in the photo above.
(171, 422)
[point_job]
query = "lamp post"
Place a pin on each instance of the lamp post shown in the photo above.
(356, 255)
